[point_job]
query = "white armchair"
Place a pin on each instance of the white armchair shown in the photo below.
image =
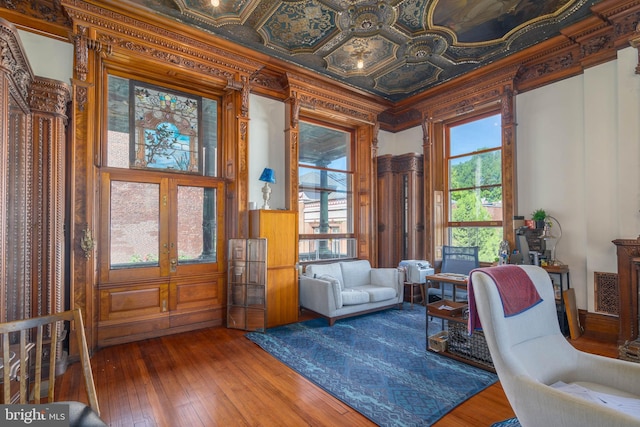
(530, 354)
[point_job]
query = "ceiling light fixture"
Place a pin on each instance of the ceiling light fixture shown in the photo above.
(359, 55)
(215, 3)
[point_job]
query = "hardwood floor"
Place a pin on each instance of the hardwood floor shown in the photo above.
(217, 377)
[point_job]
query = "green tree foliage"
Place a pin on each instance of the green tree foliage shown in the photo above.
(469, 204)
(478, 170)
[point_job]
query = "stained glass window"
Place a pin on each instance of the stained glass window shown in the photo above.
(166, 134)
(172, 131)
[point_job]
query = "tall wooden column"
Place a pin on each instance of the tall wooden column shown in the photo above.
(16, 178)
(49, 100)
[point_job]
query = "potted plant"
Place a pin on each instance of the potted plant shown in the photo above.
(539, 216)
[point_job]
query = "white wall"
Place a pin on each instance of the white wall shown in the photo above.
(48, 57)
(551, 167)
(266, 148)
(578, 158)
(407, 141)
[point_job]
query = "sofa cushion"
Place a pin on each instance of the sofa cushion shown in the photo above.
(354, 297)
(356, 273)
(335, 287)
(377, 293)
(333, 269)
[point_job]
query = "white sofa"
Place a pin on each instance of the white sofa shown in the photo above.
(348, 288)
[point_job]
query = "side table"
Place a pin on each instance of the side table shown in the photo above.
(412, 293)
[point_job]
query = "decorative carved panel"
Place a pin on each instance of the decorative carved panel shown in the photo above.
(606, 293)
(15, 172)
(32, 179)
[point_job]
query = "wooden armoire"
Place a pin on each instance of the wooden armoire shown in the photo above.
(401, 229)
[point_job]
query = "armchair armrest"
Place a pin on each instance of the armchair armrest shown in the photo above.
(319, 295)
(389, 277)
(541, 405)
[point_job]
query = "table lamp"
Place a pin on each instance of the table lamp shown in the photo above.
(268, 176)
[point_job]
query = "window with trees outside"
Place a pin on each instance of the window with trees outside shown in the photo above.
(474, 180)
(325, 198)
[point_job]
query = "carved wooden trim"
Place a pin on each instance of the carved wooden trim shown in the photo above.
(623, 16)
(374, 139)
(159, 42)
(50, 97)
(292, 151)
(14, 63)
(330, 100)
(426, 141)
(385, 164)
(561, 60)
(468, 97)
(635, 42)
(269, 83)
(82, 52)
(16, 179)
(409, 162)
(49, 100)
(295, 109)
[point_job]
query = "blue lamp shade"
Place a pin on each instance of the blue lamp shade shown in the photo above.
(268, 175)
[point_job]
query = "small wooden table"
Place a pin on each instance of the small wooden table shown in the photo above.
(412, 296)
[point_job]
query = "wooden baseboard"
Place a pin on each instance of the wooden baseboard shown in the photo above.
(599, 327)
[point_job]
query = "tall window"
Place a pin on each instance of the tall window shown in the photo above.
(325, 200)
(474, 177)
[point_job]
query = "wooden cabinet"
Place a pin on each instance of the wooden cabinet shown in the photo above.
(628, 253)
(280, 228)
(401, 231)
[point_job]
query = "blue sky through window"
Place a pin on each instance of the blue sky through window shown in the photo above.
(476, 135)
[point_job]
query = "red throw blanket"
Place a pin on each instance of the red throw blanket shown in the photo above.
(517, 292)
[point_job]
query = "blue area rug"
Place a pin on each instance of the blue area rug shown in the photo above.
(511, 422)
(378, 364)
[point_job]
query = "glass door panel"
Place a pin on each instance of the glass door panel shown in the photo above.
(134, 225)
(160, 227)
(133, 242)
(197, 224)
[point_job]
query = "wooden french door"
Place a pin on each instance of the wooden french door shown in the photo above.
(160, 254)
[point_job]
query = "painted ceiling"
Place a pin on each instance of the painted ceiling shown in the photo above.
(404, 46)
